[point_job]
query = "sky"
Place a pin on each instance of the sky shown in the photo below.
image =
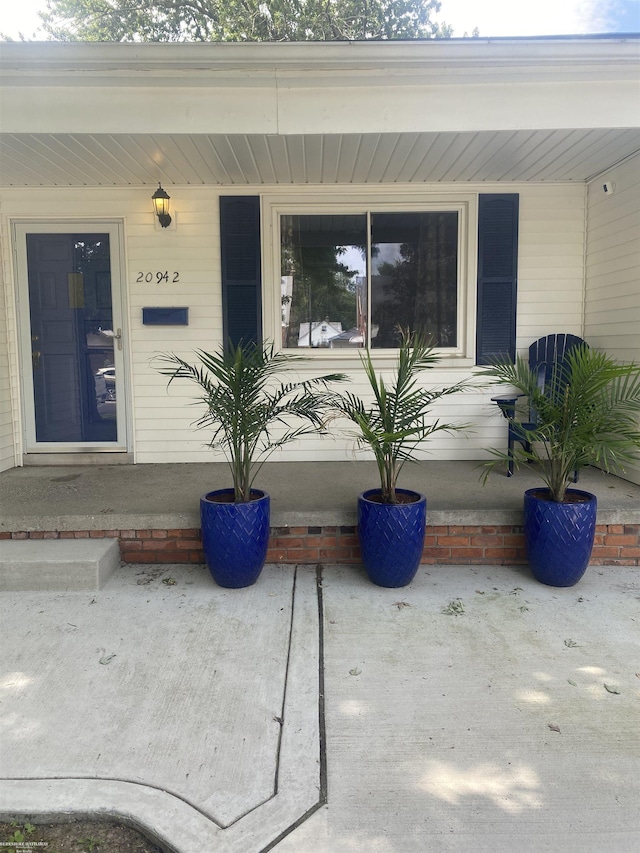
(492, 17)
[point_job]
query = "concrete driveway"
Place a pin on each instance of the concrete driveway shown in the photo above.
(315, 713)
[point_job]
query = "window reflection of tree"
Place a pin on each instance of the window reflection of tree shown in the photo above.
(324, 286)
(418, 290)
(414, 262)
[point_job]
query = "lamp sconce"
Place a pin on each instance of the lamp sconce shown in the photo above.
(160, 200)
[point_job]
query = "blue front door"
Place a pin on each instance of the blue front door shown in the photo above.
(72, 338)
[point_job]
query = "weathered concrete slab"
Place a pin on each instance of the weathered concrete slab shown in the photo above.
(57, 564)
(488, 731)
(472, 708)
(186, 709)
(165, 496)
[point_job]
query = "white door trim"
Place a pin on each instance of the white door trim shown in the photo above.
(115, 229)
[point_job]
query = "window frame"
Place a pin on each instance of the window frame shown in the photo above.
(350, 202)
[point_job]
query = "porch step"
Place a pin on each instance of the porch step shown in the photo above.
(28, 565)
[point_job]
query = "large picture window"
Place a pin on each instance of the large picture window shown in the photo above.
(350, 280)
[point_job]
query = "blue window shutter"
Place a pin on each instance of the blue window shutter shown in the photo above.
(497, 276)
(240, 259)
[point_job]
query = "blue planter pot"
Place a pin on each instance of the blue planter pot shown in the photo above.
(235, 537)
(391, 537)
(559, 536)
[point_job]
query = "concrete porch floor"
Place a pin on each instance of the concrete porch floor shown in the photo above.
(105, 497)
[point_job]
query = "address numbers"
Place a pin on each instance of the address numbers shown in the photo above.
(159, 277)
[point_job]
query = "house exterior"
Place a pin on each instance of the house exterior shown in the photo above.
(322, 333)
(487, 190)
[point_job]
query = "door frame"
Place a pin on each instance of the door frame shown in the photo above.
(115, 229)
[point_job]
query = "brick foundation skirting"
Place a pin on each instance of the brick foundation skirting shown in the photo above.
(615, 544)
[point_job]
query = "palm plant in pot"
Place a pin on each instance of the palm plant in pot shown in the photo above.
(251, 415)
(392, 521)
(587, 414)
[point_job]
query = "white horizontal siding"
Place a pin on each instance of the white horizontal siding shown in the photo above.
(605, 210)
(167, 426)
(612, 306)
(331, 451)
(550, 262)
(605, 304)
(551, 258)
(610, 284)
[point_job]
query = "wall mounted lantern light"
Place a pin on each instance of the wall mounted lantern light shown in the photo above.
(160, 200)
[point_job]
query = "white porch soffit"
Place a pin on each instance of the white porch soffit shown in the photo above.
(317, 113)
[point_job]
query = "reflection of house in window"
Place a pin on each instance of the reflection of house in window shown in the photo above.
(350, 338)
(322, 333)
(286, 294)
(321, 264)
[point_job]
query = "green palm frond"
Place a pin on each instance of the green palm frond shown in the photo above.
(587, 414)
(398, 418)
(243, 404)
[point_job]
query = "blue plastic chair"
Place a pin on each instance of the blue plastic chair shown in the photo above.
(544, 355)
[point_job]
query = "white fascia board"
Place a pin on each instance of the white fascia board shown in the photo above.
(376, 109)
(468, 108)
(334, 87)
(47, 63)
(138, 110)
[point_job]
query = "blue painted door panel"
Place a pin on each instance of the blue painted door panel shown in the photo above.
(72, 338)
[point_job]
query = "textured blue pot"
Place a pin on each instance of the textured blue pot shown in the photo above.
(235, 537)
(559, 536)
(391, 537)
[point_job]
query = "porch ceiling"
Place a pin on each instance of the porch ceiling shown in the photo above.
(117, 160)
(317, 113)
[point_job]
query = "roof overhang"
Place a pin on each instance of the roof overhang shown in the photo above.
(77, 114)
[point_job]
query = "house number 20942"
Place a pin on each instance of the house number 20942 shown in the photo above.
(159, 277)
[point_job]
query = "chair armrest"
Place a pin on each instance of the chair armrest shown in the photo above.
(507, 404)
